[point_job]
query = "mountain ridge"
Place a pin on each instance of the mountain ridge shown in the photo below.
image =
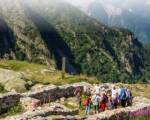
(130, 15)
(46, 31)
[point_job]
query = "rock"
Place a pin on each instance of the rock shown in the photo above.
(46, 71)
(18, 85)
(7, 75)
(37, 87)
(140, 104)
(29, 103)
(62, 100)
(8, 100)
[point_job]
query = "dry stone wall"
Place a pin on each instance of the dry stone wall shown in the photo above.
(43, 95)
(8, 100)
(52, 93)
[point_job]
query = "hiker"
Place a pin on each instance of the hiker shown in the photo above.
(97, 89)
(87, 103)
(95, 101)
(122, 96)
(114, 97)
(103, 101)
(110, 103)
(77, 93)
(129, 97)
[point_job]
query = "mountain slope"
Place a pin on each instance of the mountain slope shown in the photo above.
(50, 30)
(27, 41)
(132, 15)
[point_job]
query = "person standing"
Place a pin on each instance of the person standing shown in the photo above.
(129, 97)
(103, 101)
(95, 101)
(114, 97)
(122, 96)
(87, 105)
(110, 103)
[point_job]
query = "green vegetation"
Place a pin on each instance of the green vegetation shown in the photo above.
(33, 72)
(2, 89)
(12, 111)
(141, 118)
(112, 55)
(18, 85)
(93, 49)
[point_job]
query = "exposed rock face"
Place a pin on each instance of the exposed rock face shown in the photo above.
(51, 93)
(41, 32)
(44, 95)
(6, 75)
(12, 80)
(8, 100)
(29, 103)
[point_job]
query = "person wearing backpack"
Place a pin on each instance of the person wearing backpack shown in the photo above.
(122, 96)
(114, 96)
(87, 104)
(129, 97)
(95, 101)
(103, 102)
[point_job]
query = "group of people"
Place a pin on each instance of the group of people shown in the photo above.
(100, 99)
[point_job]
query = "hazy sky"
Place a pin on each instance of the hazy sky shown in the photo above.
(122, 2)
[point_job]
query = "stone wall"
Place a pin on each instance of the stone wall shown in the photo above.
(52, 93)
(47, 112)
(8, 100)
(43, 95)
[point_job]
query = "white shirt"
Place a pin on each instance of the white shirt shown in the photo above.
(114, 93)
(95, 99)
(119, 90)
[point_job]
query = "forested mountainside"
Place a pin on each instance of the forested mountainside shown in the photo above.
(131, 14)
(45, 31)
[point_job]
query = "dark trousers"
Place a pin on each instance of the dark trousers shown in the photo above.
(123, 103)
(96, 108)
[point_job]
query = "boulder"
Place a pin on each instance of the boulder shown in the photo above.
(7, 75)
(29, 103)
(19, 85)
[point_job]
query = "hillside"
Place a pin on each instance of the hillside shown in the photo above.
(44, 32)
(130, 14)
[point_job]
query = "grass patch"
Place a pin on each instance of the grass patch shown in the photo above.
(69, 106)
(2, 89)
(18, 108)
(141, 118)
(33, 72)
(19, 65)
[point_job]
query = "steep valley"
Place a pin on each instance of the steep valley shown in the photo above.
(45, 32)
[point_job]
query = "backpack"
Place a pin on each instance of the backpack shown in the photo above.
(123, 97)
(86, 101)
(105, 99)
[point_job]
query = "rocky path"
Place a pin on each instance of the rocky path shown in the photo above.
(54, 110)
